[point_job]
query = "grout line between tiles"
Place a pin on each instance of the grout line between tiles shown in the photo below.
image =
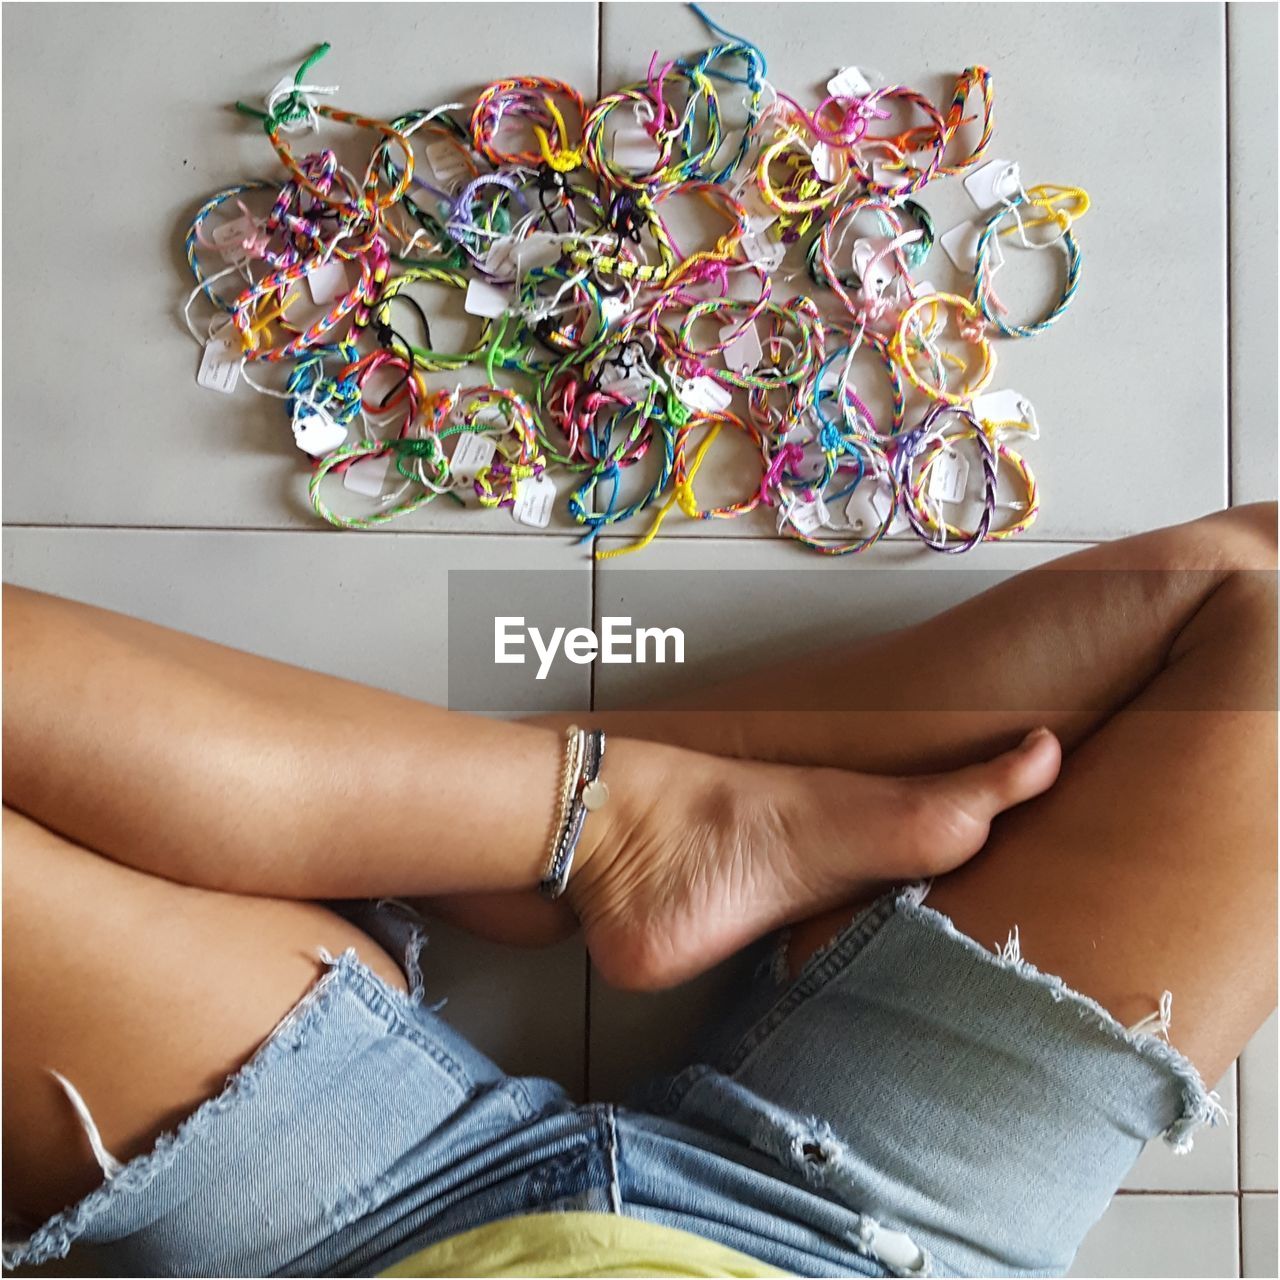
(1239, 1232)
(558, 535)
(1135, 1191)
(599, 49)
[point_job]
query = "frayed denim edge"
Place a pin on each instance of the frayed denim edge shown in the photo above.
(1199, 1106)
(55, 1238)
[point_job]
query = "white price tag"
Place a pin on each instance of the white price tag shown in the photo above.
(876, 273)
(761, 248)
(948, 477)
(848, 82)
(744, 353)
(316, 433)
(808, 517)
(759, 214)
(471, 455)
(370, 476)
(535, 498)
(500, 260)
(229, 238)
(1006, 406)
(447, 163)
(327, 282)
(704, 395)
(828, 163)
(613, 308)
(813, 462)
(960, 244)
(869, 507)
(993, 184)
(486, 299)
(219, 366)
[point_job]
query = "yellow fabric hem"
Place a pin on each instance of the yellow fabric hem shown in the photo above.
(578, 1244)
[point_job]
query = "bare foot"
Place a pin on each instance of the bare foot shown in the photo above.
(712, 853)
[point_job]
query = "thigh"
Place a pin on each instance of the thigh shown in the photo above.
(1151, 866)
(143, 993)
(982, 1070)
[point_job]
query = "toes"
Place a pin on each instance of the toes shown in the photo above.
(987, 789)
(953, 811)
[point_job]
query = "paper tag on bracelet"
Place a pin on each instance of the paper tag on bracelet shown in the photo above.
(704, 395)
(996, 407)
(960, 244)
(327, 282)
(863, 514)
(371, 476)
(808, 517)
(948, 477)
(995, 183)
(316, 433)
(875, 268)
(848, 82)
(447, 163)
(870, 506)
(535, 499)
(829, 164)
(761, 248)
(471, 455)
(613, 308)
(743, 352)
(229, 238)
(760, 214)
(219, 366)
(485, 299)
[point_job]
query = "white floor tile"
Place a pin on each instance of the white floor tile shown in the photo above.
(1258, 1111)
(635, 1036)
(1112, 406)
(1210, 1166)
(368, 606)
(149, 446)
(1163, 1236)
(1251, 83)
(1258, 1235)
(372, 608)
(525, 1009)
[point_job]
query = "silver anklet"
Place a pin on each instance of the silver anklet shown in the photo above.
(582, 791)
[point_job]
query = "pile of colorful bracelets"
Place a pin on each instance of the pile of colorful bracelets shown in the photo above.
(619, 350)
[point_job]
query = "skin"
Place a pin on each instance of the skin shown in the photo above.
(151, 859)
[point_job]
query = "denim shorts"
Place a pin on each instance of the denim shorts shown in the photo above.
(910, 1104)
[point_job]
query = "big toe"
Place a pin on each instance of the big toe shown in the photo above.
(989, 788)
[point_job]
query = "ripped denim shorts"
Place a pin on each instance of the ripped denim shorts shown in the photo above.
(911, 1104)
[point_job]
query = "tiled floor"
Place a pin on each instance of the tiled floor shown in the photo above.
(126, 485)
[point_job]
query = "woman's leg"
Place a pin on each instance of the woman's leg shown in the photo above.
(1065, 645)
(143, 993)
(217, 768)
(1151, 865)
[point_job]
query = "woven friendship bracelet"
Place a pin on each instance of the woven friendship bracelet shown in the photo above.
(610, 340)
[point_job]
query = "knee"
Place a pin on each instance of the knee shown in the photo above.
(1242, 539)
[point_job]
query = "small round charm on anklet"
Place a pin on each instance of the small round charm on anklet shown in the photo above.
(595, 795)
